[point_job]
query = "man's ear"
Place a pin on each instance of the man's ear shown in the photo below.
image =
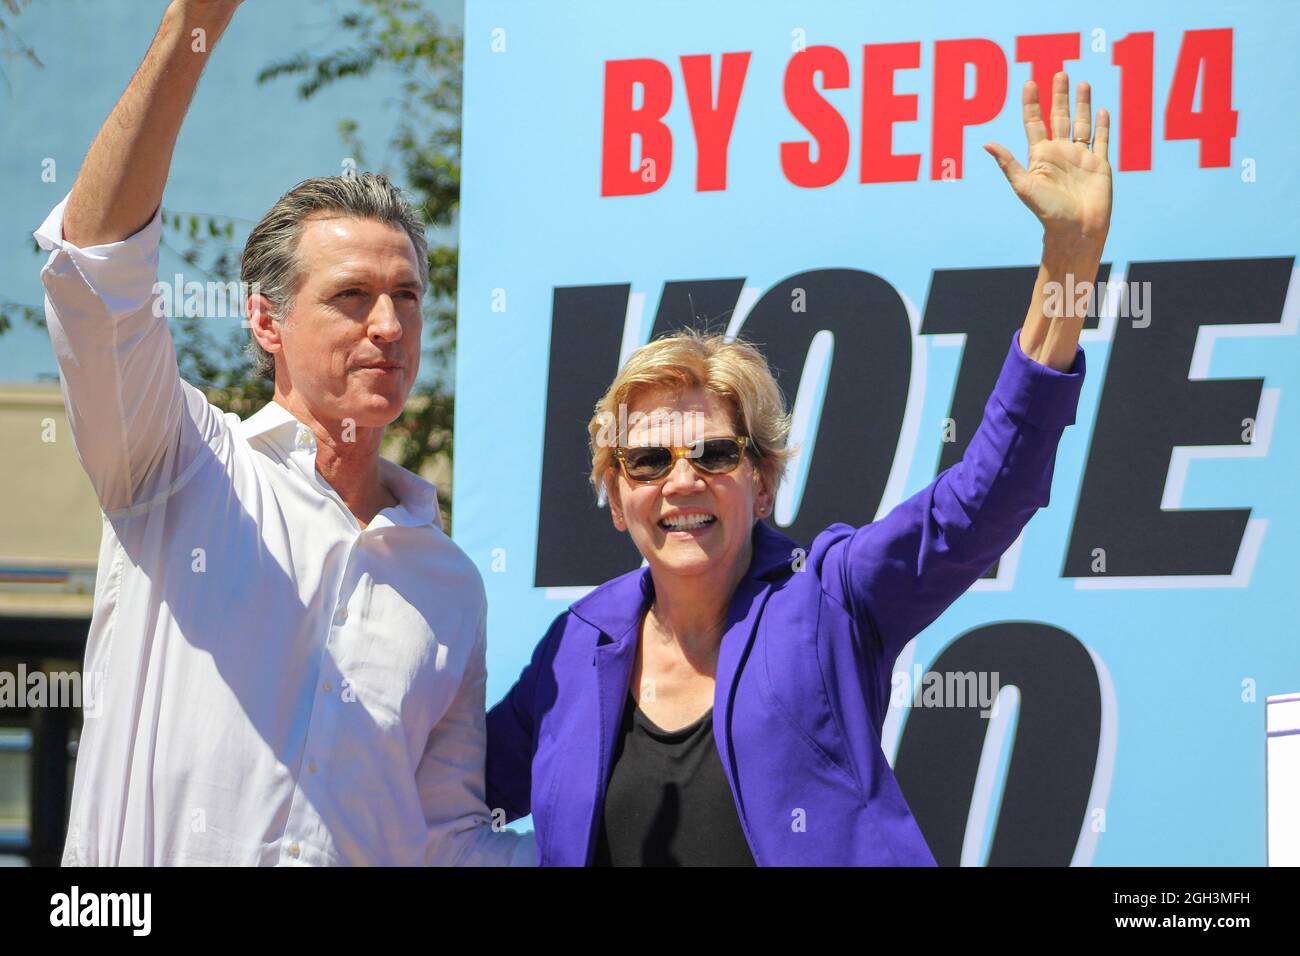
(265, 328)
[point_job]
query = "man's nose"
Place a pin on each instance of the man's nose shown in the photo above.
(384, 323)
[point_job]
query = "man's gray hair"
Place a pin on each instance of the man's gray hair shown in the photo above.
(270, 263)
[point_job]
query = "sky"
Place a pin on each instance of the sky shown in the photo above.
(242, 146)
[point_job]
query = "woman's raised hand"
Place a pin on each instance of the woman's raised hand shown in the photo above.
(1067, 183)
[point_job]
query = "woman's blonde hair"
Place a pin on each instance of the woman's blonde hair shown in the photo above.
(732, 369)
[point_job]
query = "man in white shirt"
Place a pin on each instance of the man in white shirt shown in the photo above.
(288, 651)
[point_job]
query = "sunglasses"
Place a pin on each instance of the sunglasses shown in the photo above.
(710, 456)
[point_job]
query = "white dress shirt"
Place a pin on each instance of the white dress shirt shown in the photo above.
(276, 684)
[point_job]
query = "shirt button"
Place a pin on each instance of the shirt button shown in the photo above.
(311, 766)
(328, 687)
(341, 614)
(294, 850)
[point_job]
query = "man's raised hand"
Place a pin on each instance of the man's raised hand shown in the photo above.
(121, 182)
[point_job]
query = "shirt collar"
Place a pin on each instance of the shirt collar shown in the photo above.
(416, 497)
(266, 420)
(616, 607)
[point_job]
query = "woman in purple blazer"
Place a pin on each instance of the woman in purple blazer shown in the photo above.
(723, 705)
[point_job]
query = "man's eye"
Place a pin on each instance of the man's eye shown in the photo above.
(409, 294)
(349, 292)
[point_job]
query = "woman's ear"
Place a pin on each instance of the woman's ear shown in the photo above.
(614, 497)
(762, 500)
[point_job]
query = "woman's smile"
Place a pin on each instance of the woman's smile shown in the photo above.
(688, 524)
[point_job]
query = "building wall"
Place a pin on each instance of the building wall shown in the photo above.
(49, 518)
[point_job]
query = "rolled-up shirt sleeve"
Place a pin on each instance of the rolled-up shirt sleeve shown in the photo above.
(900, 573)
(137, 427)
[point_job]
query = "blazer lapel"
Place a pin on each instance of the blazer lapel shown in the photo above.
(742, 623)
(614, 661)
(773, 555)
(615, 610)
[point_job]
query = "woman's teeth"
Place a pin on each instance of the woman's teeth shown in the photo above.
(686, 522)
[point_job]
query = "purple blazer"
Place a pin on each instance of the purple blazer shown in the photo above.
(805, 666)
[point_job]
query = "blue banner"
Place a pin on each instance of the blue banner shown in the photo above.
(813, 179)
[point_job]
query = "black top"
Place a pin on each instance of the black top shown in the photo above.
(668, 802)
